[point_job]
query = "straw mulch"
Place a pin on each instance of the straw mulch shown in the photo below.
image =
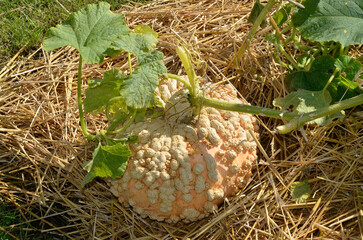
(42, 147)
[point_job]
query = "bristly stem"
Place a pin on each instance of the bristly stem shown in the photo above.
(245, 108)
(80, 104)
(321, 112)
(295, 120)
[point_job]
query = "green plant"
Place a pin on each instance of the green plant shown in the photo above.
(129, 97)
(323, 76)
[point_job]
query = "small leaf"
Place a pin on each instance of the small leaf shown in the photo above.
(101, 92)
(304, 101)
(145, 29)
(256, 10)
(331, 20)
(300, 191)
(90, 30)
(108, 161)
(138, 88)
(282, 15)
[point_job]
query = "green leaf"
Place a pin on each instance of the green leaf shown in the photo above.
(101, 92)
(348, 65)
(331, 20)
(90, 30)
(138, 88)
(282, 15)
(94, 82)
(344, 85)
(304, 101)
(315, 79)
(300, 191)
(145, 29)
(108, 161)
(256, 10)
(136, 43)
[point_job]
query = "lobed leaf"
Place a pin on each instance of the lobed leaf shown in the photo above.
(345, 85)
(108, 161)
(315, 79)
(138, 88)
(331, 20)
(90, 30)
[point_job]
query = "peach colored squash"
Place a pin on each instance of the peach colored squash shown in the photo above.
(184, 165)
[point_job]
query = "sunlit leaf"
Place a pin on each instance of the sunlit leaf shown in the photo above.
(90, 30)
(138, 88)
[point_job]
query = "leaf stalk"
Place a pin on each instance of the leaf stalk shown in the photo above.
(80, 103)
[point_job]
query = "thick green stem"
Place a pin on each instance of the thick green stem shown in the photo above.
(239, 107)
(321, 112)
(254, 29)
(295, 120)
(80, 104)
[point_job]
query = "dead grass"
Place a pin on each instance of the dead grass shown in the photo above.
(42, 147)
